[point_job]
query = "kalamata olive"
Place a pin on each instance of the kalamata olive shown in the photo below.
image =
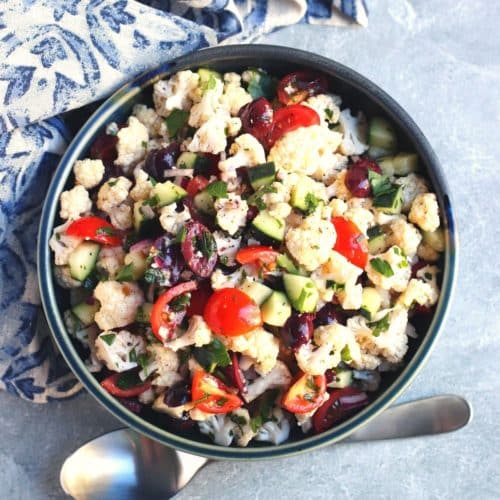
(257, 119)
(159, 160)
(298, 330)
(104, 148)
(199, 249)
(178, 394)
(330, 375)
(356, 179)
(329, 314)
(295, 87)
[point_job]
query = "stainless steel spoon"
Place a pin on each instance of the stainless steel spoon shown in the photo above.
(127, 466)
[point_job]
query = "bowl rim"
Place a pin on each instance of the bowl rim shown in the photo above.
(100, 117)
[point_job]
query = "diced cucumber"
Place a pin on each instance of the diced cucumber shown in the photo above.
(401, 164)
(82, 259)
(302, 194)
(276, 309)
(256, 291)
(377, 240)
(261, 175)
(168, 192)
(343, 378)
(301, 291)
(139, 264)
(186, 160)
(370, 302)
(287, 264)
(381, 134)
(435, 239)
(386, 163)
(143, 314)
(208, 79)
(204, 202)
(85, 312)
(143, 213)
(378, 153)
(260, 84)
(269, 226)
(390, 201)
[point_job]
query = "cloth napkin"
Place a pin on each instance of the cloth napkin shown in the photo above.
(59, 55)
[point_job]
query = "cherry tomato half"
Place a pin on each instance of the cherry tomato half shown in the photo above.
(199, 298)
(290, 118)
(211, 395)
(113, 382)
(196, 184)
(231, 312)
(257, 254)
(164, 321)
(298, 86)
(350, 242)
(340, 404)
(306, 393)
(95, 229)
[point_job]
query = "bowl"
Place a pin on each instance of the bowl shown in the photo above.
(358, 92)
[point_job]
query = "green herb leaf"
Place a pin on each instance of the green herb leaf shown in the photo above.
(180, 302)
(205, 243)
(105, 230)
(112, 183)
(153, 181)
(238, 419)
(153, 276)
(212, 355)
(380, 326)
(144, 144)
(256, 198)
(374, 232)
(336, 287)
(311, 203)
(109, 338)
(127, 380)
(382, 266)
(180, 236)
(378, 182)
(217, 189)
(126, 273)
(261, 84)
(329, 114)
(345, 354)
(256, 423)
(143, 361)
(151, 202)
(132, 355)
(428, 276)
(175, 121)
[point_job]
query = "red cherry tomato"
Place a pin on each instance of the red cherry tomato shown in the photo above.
(350, 242)
(298, 86)
(306, 393)
(95, 229)
(258, 254)
(211, 395)
(231, 312)
(290, 118)
(199, 298)
(164, 321)
(113, 382)
(340, 404)
(196, 184)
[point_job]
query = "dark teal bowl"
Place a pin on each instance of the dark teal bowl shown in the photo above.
(356, 91)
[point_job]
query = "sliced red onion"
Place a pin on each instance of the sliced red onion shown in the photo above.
(353, 400)
(184, 172)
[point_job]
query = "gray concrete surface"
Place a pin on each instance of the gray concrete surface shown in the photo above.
(441, 61)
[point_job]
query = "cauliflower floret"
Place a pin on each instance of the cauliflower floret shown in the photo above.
(113, 193)
(406, 236)
(62, 245)
(231, 213)
(391, 343)
(338, 206)
(327, 107)
(208, 106)
(331, 340)
(197, 334)
(163, 363)
(259, 345)
(427, 253)
(291, 179)
(275, 431)
(317, 158)
(389, 270)
(277, 202)
(419, 292)
(220, 428)
(277, 378)
(337, 268)
(246, 151)
(62, 275)
(111, 260)
(131, 145)
(171, 220)
(220, 280)
(114, 349)
(311, 242)
(353, 130)
(154, 123)
(226, 247)
(74, 203)
(351, 297)
(88, 172)
(235, 96)
(119, 303)
(147, 397)
(175, 93)
(413, 185)
(143, 185)
(121, 217)
(424, 212)
(362, 217)
(211, 136)
(338, 188)
(242, 431)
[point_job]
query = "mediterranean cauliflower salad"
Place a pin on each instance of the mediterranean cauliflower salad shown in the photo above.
(247, 257)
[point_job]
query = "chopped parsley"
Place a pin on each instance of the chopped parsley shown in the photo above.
(205, 243)
(132, 355)
(336, 287)
(151, 202)
(256, 198)
(345, 354)
(180, 236)
(153, 276)
(112, 183)
(180, 302)
(238, 419)
(428, 276)
(256, 423)
(212, 355)
(126, 380)
(224, 260)
(144, 144)
(382, 266)
(175, 121)
(109, 338)
(143, 361)
(329, 114)
(261, 84)
(380, 326)
(105, 230)
(126, 273)
(311, 203)
(217, 189)
(153, 181)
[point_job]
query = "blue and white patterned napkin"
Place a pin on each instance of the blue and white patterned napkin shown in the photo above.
(58, 55)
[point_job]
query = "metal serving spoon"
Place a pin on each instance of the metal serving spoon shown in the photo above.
(127, 466)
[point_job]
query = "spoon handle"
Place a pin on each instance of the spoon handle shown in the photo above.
(434, 415)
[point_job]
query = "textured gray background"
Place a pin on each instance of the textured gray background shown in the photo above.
(441, 61)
